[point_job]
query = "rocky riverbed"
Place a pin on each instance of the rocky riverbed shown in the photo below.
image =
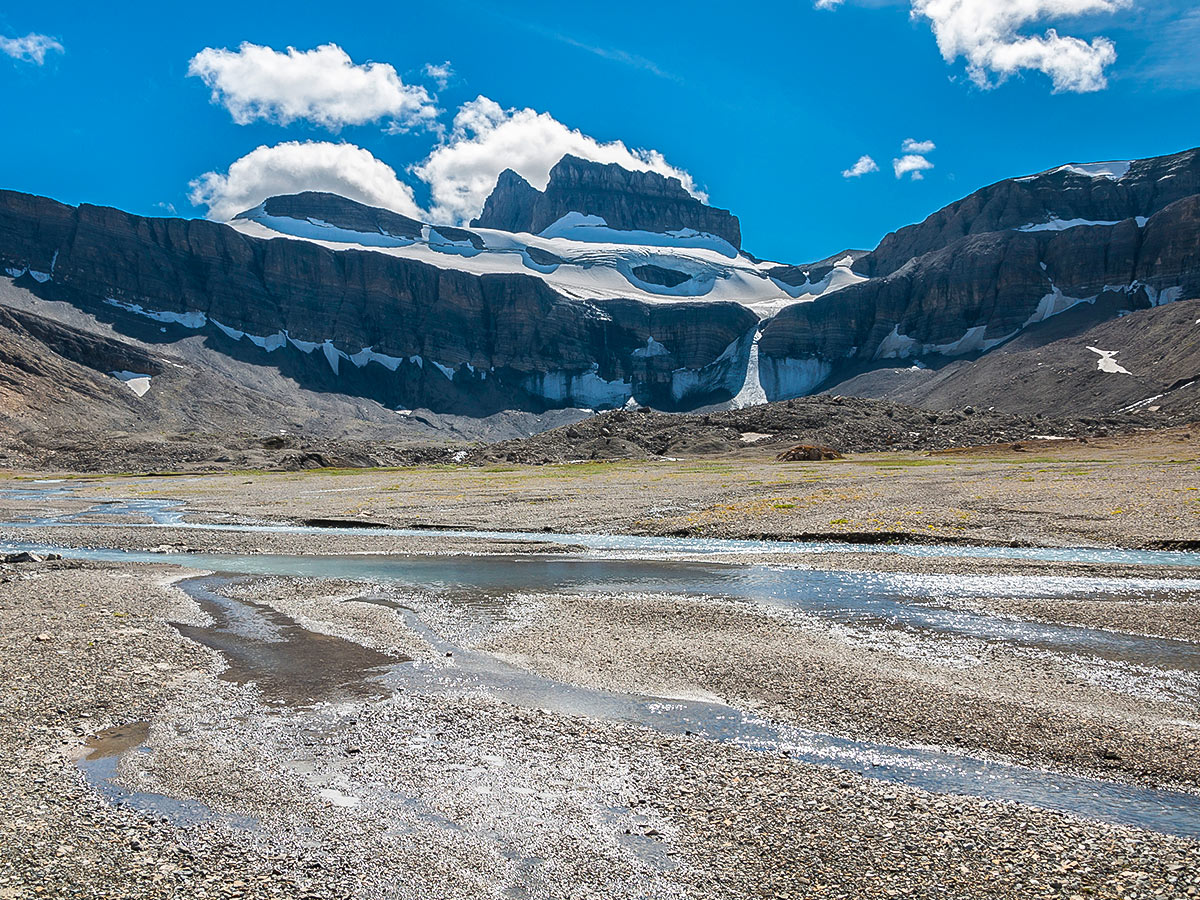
(283, 735)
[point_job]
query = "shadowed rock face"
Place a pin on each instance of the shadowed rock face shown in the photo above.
(975, 274)
(628, 201)
(493, 338)
(1064, 193)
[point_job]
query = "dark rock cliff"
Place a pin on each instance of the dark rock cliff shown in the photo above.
(994, 283)
(440, 338)
(629, 201)
(1064, 193)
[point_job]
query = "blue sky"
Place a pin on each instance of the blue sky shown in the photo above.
(764, 105)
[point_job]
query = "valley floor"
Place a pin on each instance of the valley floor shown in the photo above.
(465, 727)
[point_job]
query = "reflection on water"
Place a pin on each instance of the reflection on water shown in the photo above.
(851, 598)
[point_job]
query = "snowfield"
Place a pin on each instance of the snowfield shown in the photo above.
(582, 257)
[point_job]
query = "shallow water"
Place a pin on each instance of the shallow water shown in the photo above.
(264, 647)
(457, 672)
(170, 514)
(865, 599)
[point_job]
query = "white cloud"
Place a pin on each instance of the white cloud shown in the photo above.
(440, 74)
(828, 4)
(486, 139)
(864, 165)
(913, 163)
(323, 86)
(985, 34)
(292, 167)
(32, 48)
(914, 146)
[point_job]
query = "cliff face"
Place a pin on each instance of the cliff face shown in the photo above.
(972, 276)
(1094, 192)
(403, 331)
(446, 319)
(627, 201)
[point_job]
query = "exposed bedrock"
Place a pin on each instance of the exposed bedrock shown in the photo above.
(398, 330)
(979, 291)
(628, 201)
(1064, 194)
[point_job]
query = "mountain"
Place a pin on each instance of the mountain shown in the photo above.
(609, 288)
(625, 200)
(1116, 236)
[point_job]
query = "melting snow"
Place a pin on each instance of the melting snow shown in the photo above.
(752, 393)
(186, 319)
(135, 381)
(597, 261)
(1114, 171)
(1106, 363)
(1057, 224)
(652, 348)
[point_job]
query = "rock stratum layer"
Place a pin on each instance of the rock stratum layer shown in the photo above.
(402, 332)
(357, 302)
(1113, 237)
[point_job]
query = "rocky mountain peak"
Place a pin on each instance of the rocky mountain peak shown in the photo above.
(625, 199)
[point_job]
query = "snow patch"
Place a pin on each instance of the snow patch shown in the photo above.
(652, 348)
(1132, 406)
(585, 389)
(789, 377)
(137, 382)
(901, 346)
(752, 393)
(190, 319)
(1106, 363)
(1054, 303)
(39, 277)
(1114, 171)
(445, 370)
(1057, 224)
(337, 798)
(591, 229)
(317, 229)
(368, 355)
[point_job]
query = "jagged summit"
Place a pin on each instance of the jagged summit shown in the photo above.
(626, 200)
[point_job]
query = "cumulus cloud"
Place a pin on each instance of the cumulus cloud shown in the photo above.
(486, 139)
(323, 86)
(985, 34)
(864, 165)
(913, 146)
(911, 163)
(292, 167)
(440, 74)
(31, 48)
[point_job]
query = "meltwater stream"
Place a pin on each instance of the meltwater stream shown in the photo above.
(931, 769)
(895, 601)
(854, 598)
(164, 513)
